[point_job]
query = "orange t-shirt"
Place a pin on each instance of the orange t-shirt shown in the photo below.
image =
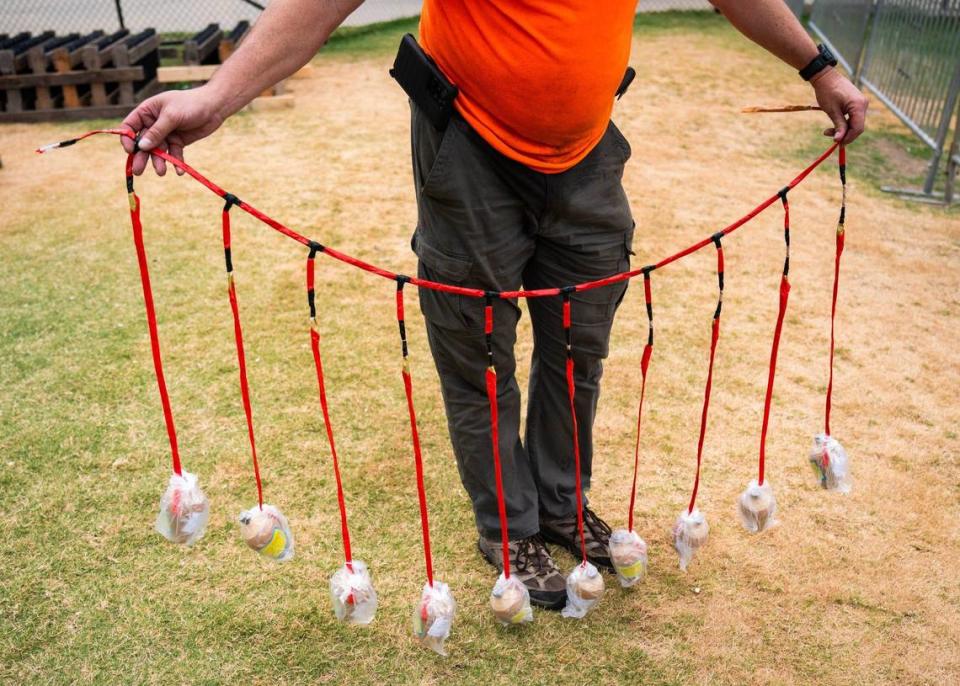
(537, 77)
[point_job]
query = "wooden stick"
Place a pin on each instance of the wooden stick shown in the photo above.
(782, 108)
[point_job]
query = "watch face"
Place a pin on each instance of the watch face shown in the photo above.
(827, 55)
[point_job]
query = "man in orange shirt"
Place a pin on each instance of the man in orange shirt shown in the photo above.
(520, 187)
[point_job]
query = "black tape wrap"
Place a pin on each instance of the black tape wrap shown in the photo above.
(488, 335)
(786, 230)
(649, 305)
(566, 291)
(716, 241)
(402, 280)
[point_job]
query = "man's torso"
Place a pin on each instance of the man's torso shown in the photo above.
(536, 77)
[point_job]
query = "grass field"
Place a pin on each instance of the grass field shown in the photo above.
(848, 590)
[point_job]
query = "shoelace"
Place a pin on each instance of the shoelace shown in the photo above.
(599, 529)
(533, 549)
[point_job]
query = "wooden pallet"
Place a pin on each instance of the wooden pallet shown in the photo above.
(202, 48)
(199, 64)
(46, 77)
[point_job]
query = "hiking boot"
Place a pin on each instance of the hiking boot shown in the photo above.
(563, 532)
(531, 564)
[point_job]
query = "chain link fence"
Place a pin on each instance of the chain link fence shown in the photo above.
(912, 64)
(842, 26)
(187, 16)
(168, 16)
(907, 53)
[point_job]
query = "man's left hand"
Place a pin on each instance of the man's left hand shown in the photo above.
(844, 104)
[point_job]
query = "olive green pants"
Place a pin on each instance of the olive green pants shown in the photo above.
(485, 221)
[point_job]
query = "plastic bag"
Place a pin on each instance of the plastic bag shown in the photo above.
(267, 531)
(689, 534)
(184, 510)
(628, 552)
(584, 590)
(510, 601)
(830, 464)
(433, 616)
(757, 507)
(352, 593)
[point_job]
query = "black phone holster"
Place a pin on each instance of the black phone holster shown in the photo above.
(423, 82)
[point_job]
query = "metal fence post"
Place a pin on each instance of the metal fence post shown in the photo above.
(119, 7)
(942, 130)
(953, 162)
(866, 46)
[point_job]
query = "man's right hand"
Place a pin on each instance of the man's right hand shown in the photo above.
(171, 121)
(285, 37)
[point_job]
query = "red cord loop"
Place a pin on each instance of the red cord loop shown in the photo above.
(318, 364)
(714, 337)
(644, 365)
(241, 357)
(775, 347)
(414, 434)
(836, 282)
(137, 228)
(571, 392)
(491, 384)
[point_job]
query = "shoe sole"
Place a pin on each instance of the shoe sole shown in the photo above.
(574, 550)
(548, 600)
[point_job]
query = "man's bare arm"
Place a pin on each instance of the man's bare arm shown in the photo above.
(771, 25)
(287, 35)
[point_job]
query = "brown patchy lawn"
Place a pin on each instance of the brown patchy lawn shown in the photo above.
(848, 590)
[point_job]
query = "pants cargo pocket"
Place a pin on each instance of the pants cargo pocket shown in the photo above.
(441, 309)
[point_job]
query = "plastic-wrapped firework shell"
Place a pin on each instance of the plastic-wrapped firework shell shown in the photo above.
(689, 534)
(184, 510)
(584, 590)
(628, 552)
(352, 593)
(433, 616)
(267, 531)
(510, 601)
(829, 461)
(757, 507)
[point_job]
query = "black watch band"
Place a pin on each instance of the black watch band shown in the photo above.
(823, 60)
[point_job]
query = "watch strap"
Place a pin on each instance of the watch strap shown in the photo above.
(823, 60)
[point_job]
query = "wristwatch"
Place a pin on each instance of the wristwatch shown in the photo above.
(824, 59)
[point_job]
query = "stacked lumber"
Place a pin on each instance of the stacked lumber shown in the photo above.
(46, 77)
(49, 77)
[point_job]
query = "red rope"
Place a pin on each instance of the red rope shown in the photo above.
(476, 293)
(415, 436)
(315, 347)
(644, 364)
(836, 281)
(714, 337)
(151, 316)
(774, 349)
(241, 357)
(433, 285)
(571, 392)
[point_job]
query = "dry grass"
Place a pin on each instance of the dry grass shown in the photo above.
(861, 589)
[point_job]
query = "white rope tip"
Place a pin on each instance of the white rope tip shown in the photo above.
(44, 148)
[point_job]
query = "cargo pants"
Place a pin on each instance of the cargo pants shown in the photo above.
(488, 222)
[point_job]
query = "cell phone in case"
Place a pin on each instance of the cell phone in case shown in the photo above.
(423, 81)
